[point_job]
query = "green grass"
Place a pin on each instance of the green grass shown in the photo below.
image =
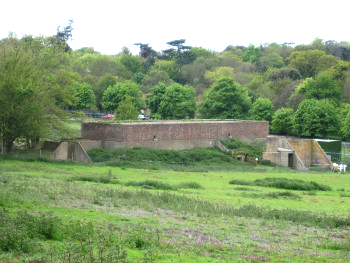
(69, 212)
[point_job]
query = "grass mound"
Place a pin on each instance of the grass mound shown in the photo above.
(284, 183)
(146, 155)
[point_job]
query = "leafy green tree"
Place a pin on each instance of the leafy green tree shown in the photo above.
(103, 83)
(85, 97)
(282, 121)
(262, 109)
(126, 110)
(316, 117)
(226, 99)
(311, 62)
(178, 102)
(168, 66)
(113, 95)
(218, 73)
(153, 78)
(322, 87)
(271, 60)
(252, 53)
(284, 73)
(155, 97)
(30, 87)
(132, 63)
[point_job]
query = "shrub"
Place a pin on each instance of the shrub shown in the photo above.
(284, 183)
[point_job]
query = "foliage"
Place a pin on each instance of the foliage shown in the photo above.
(252, 53)
(85, 97)
(132, 63)
(242, 147)
(178, 102)
(226, 99)
(144, 155)
(168, 66)
(30, 92)
(283, 73)
(345, 131)
(323, 87)
(218, 73)
(316, 117)
(126, 110)
(285, 183)
(113, 95)
(282, 121)
(155, 97)
(311, 62)
(153, 79)
(262, 109)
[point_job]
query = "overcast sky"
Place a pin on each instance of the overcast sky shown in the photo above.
(107, 26)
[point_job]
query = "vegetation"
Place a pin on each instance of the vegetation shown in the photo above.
(70, 212)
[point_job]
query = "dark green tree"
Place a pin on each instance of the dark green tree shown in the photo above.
(226, 99)
(252, 53)
(282, 121)
(113, 95)
(103, 83)
(85, 97)
(316, 117)
(126, 109)
(155, 97)
(178, 102)
(322, 87)
(262, 109)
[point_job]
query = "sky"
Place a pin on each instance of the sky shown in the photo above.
(108, 26)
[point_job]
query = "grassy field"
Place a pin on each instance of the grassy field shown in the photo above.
(67, 212)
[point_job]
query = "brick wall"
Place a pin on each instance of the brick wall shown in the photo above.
(172, 130)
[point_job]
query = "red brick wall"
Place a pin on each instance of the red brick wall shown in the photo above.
(170, 130)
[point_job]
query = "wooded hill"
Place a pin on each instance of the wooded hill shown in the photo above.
(302, 90)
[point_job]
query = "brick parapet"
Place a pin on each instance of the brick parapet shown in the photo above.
(174, 130)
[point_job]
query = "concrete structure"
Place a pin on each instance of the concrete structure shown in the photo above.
(174, 130)
(295, 153)
(168, 135)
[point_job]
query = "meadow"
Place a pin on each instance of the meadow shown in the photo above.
(71, 212)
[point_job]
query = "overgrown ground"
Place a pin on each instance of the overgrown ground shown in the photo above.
(66, 212)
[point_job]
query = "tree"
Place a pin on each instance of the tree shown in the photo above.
(126, 109)
(155, 97)
(316, 117)
(284, 73)
(252, 54)
(153, 79)
(218, 73)
(262, 109)
(103, 83)
(178, 102)
(226, 99)
(311, 62)
(30, 87)
(168, 66)
(132, 63)
(322, 87)
(113, 95)
(85, 97)
(282, 121)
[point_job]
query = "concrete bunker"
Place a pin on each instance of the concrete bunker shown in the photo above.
(295, 153)
(167, 135)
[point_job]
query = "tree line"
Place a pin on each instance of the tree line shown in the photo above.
(301, 90)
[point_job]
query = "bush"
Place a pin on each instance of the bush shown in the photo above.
(284, 183)
(149, 184)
